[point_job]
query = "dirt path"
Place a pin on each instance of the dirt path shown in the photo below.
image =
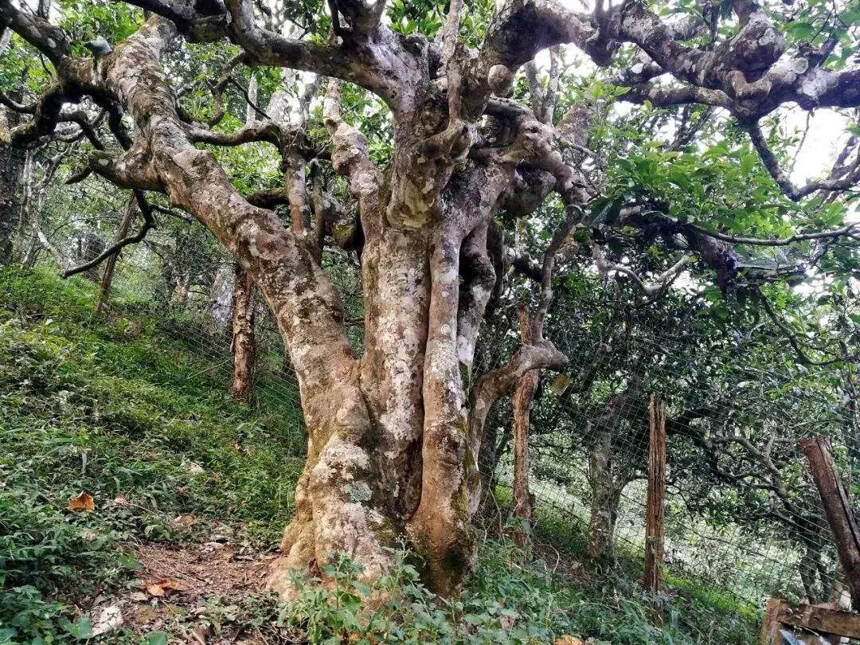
(192, 592)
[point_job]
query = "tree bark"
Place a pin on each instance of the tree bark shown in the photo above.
(605, 498)
(606, 476)
(11, 167)
(522, 401)
(221, 297)
(656, 494)
(838, 510)
(243, 346)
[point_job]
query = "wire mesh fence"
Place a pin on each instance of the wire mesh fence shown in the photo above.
(741, 511)
(752, 525)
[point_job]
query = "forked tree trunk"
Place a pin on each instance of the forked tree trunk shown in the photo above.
(393, 436)
(243, 346)
(110, 263)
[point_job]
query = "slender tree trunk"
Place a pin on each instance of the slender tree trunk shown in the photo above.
(606, 477)
(654, 510)
(521, 403)
(181, 289)
(88, 246)
(243, 346)
(221, 297)
(28, 244)
(11, 166)
(488, 458)
(809, 565)
(110, 263)
(604, 500)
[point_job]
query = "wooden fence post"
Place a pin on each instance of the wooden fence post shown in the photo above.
(837, 507)
(656, 494)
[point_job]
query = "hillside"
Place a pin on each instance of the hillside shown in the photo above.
(182, 496)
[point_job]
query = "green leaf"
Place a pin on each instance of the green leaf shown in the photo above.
(81, 629)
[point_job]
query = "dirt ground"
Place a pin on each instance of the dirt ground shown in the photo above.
(188, 591)
(209, 569)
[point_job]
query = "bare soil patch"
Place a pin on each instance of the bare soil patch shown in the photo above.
(177, 585)
(209, 569)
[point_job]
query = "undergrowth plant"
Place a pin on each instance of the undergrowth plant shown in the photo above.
(137, 419)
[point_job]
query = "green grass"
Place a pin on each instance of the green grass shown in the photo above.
(123, 413)
(128, 411)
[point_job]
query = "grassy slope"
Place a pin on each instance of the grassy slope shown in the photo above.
(122, 411)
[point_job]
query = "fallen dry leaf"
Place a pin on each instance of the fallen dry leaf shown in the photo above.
(198, 634)
(161, 587)
(185, 521)
(83, 502)
(559, 384)
(567, 639)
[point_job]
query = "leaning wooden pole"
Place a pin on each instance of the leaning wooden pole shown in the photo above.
(770, 623)
(837, 507)
(656, 494)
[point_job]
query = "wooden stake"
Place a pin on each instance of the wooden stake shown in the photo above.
(837, 507)
(821, 619)
(656, 494)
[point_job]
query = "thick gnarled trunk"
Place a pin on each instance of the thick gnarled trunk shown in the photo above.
(393, 436)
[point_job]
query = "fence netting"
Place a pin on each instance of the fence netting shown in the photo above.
(742, 512)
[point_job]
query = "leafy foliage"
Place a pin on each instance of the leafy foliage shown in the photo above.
(116, 409)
